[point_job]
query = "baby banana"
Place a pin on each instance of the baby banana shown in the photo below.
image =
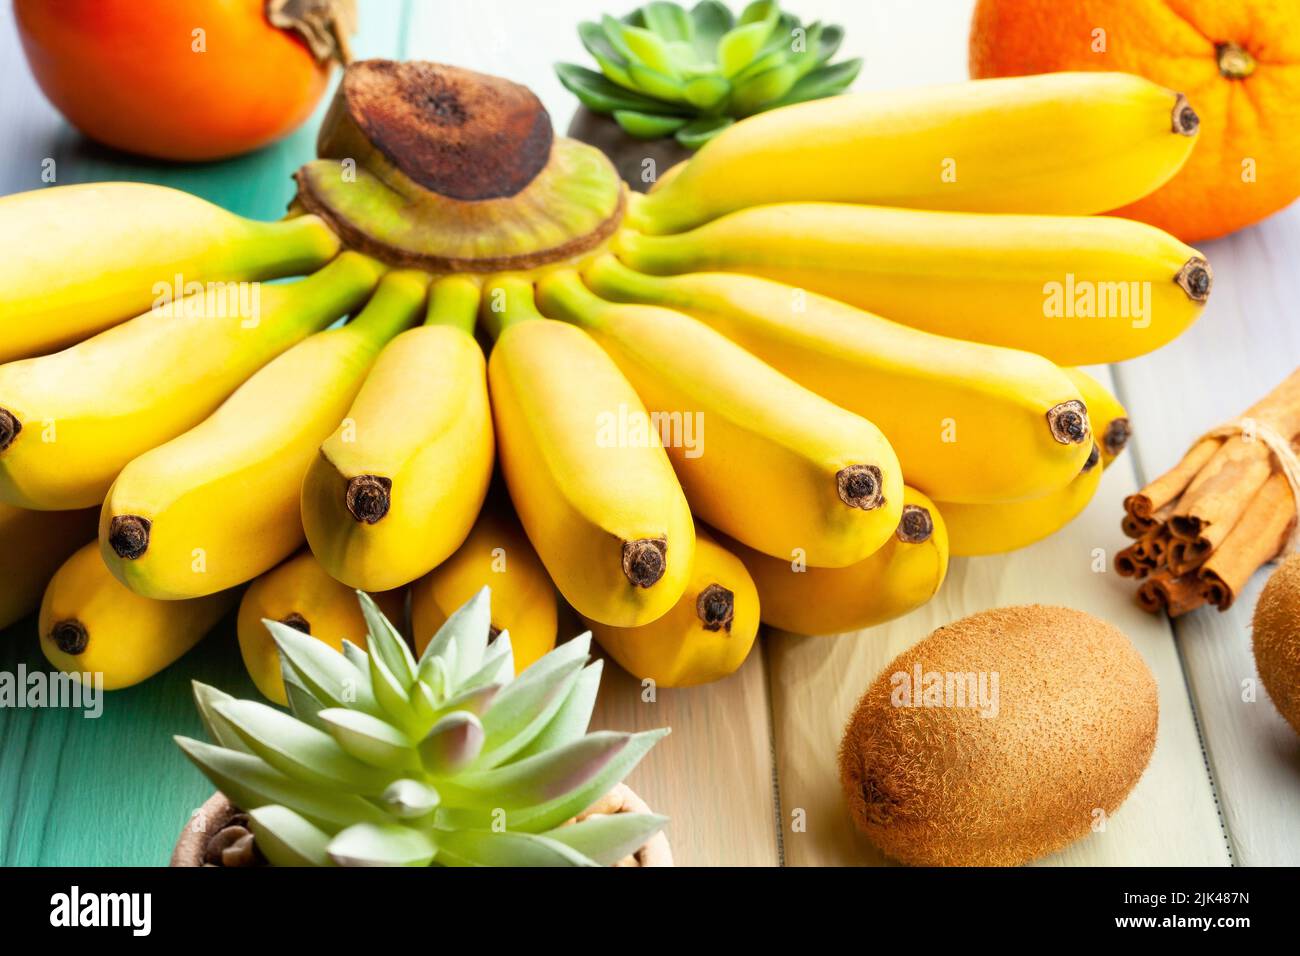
(76, 259)
(1080, 290)
(898, 578)
(760, 457)
(90, 623)
(607, 517)
(301, 594)
(396, 488)
(220, 504)
(496, 554)
(1072, 143)
(969, 422)
(1109, 419)
(1009, 526)
(707, 634)
(70, 421)
(32, 546)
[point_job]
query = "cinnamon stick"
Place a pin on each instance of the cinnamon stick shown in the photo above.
(1171, 593)
(1258, 537)
(1165, 490)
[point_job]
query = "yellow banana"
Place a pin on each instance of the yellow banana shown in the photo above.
(90, 623)
(1109, 418)
(969, 422)
(1011, 525)
(396, 488)
(301, 594)
(219, 505)
(760, 457)
(496, 554)
(70, 421)
(1064, 143)
(1079, 290)
(607, 518)
(898, 578)
(32, 546)
(707, 634)
(76, 259)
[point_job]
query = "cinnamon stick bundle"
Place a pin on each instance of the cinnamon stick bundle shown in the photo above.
(1205, 526)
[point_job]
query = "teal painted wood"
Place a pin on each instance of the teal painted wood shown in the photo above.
(116, 790)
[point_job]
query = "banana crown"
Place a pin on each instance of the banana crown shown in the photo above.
(448, 759)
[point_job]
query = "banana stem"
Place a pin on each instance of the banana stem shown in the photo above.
(454, 301)
(611, 279)
(338, 288)
(507, 300)
(395, 305)
(563, 295)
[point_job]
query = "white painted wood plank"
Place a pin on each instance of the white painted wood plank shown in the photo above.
(1247, 341)
(1171, 816)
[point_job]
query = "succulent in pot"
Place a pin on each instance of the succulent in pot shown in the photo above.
(669, 80)
(386, 760)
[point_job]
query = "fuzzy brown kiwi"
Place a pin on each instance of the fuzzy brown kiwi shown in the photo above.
(1276, 640)
(1073, 729)
(435, 167)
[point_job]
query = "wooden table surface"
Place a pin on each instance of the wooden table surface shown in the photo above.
(748, 773)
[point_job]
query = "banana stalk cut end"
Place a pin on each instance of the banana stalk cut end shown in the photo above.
(716, 607)
(438, 168)
(128, 536)
(368, 498)
(1068, 422)
(1185, 120)
(297, 622)
(70, 636)
(861, 486)
(10, 426)
(1196, 278)
(915, 526)
(645, 560)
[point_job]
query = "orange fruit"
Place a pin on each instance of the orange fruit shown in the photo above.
(1237, 61)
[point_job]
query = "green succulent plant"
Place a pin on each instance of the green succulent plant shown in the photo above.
(384, 760)
(667, 72)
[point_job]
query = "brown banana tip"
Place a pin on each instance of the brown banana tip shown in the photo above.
(10, 426)
(716, 606)
(493, 632)
(1118, 432)
(1185, 120)
(645, 560)
(861, 486)
(70, 636)
(1196, 278)
(128, 536)
(368, 498)
(1068, 422)
(1235, 61)
(915, 526)
(1094, 456)
(297, 622)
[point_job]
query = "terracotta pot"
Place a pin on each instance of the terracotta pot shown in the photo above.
(627, 153)
(213, 828)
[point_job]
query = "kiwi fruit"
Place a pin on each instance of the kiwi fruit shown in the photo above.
(1276, 640)
(1028, 724)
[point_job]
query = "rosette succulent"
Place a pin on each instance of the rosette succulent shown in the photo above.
(451, 760)
(668, 72)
